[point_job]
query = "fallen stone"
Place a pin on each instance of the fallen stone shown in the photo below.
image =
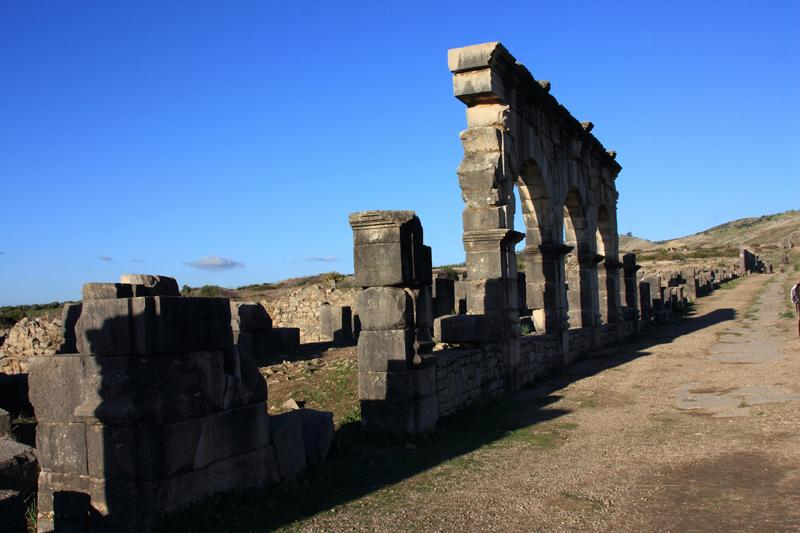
(287, 437)
(19, 468)
(104, 291)
(291, 405)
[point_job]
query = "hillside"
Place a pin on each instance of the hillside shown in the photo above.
(766, 231)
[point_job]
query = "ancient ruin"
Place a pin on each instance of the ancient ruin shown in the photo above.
(147, 401)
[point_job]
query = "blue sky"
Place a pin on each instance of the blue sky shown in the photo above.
(226, 142)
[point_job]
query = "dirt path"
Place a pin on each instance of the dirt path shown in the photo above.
(693, 427)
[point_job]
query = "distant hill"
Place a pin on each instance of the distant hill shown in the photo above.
(755, 232)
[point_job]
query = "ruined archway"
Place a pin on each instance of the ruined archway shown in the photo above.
(580, 265)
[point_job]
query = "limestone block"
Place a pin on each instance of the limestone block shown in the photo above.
(18, 467)
(153, 325)
(99, 291)
(486, 218)
(472, 57)
(383, 264)
(55, 387)
(487, 115)
(317, 435)
(151, 285)
(388, 416)
(373, 227)
(385, 350)
(249, 316)
(458, 328)
(443, 292)
(422, 379)
(287, 436)
(385, 308)
(385, 386)
(256, 345)
(112, 452)
(61, 447)
(486, 139)
(480, 170)
(12, 512)
(424, 413)
(336, 323)
(285, 340)
(69, 318)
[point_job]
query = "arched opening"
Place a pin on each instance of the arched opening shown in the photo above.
(540, 281)
(580, 267)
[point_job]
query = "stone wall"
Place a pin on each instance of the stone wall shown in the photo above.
(464, 376)
(299, 308)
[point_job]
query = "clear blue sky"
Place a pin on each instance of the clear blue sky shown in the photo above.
(150, 136)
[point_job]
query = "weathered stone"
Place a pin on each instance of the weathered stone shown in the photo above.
(150, 285)
(335, 323)
(12, 512)
(55, 387)
(255, 345)
(62, 447)
(385, 308)
(385, 350)
(317, 435)
(443, 292)
(249, 316)
(18, 467)
(153, 325)
(102, 291)
(458, 328)
(286, 340)
(287, 437)
(69, 318)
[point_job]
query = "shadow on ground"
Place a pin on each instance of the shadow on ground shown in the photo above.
(361, 464)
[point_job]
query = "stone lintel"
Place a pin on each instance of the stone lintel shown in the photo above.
(498, 236)
(380, 219)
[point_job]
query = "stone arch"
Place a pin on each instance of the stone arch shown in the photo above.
(580, 267)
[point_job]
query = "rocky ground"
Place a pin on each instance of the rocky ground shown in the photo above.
(693, 427)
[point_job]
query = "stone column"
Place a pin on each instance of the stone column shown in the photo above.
(608, 290)
(631, 285)
(581, 272)
(546, 289)
(396, 373)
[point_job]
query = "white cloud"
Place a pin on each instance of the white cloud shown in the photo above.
(215, 263)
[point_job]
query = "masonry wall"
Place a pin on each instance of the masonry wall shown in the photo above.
(299, 308)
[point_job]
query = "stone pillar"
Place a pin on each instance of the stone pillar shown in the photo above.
(444, 300)
(396, 373)
(156, 411)
(631, 285)
(546, 288)
(609, 290)
(645, 301)
(583, 296)
(336, 323)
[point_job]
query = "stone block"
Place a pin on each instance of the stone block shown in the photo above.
(249, 316)
(12, 512)
(69, 318)
(424, 413)
(443, 292)
(383, 264)
(287, 437)
(256, 345)
(55, 387)
(61, 447)
(112, 452)
(18, 467)
(286, 340)
(385, 308)
(336, 323)
(160, 390)
(317, 435)
(480, 171)
(101, 291)
(153, 325)
(458, 328)
(151, 285)
(386, 350)
(385, 416)
(423, 379)
(384, 386)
